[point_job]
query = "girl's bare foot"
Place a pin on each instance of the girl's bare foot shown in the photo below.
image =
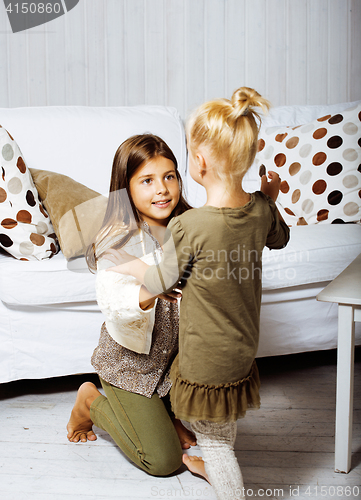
(186, 437)
(195, 465)
(80, 425)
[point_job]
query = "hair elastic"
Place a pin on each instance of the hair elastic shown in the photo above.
(245, 112)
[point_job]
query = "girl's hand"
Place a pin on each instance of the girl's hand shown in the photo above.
(170, 297)
(272, 187)
(122, 261)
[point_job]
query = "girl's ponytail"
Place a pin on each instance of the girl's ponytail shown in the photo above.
(245, 100)
(229, 128)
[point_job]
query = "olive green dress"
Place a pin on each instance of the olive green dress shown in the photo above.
(218, 251)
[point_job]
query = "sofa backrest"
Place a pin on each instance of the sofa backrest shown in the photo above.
(80, 141)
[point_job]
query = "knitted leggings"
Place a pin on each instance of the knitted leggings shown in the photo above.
(217, 444)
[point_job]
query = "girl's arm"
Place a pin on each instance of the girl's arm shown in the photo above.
(129, 322)
(128, 265)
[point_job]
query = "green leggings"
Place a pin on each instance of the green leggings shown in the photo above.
(141, 427)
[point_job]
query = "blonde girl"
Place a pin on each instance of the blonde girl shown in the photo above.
(219, 250)
(139, 338)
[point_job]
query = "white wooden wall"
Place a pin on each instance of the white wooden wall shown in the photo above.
(182, 52)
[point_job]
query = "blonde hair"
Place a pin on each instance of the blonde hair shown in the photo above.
(229, 128)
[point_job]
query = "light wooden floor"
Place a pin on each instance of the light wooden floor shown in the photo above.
(288, 445)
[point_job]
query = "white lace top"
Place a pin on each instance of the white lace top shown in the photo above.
(136, 347)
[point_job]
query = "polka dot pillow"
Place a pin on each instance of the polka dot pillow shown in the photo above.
(25, 228)
(319, 165)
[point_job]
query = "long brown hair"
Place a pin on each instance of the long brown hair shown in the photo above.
(121, 218)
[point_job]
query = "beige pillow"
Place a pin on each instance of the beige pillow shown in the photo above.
(75, 211)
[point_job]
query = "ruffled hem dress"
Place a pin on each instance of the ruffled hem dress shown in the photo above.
(218, 254)
(216, 403)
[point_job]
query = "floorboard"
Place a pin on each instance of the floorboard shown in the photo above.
(285, 449)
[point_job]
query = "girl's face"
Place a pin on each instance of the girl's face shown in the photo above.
(154, 189)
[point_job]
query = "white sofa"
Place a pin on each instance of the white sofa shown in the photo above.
(49, 318)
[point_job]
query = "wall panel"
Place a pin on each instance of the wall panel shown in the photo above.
(176, 66)
(76, 56)
(96, 48)
(4, 61)
(214, 43)
(354, 51)
(18, 74)
(195, 88)
(317, 50)
(183, 52)
(134, 53)
(338, 42)
(155, 52)
(55, 67)
(235, 53)
(115, 53)
(256, 46)
(296, 52)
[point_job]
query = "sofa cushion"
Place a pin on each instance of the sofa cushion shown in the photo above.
(43, 283)
(25, 228)
(319, 164)
(314, 254)
(75, 211)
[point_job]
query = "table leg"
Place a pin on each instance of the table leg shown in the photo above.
(344, 391)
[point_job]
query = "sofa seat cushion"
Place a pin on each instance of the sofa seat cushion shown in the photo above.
(315, 254)
(44, 282)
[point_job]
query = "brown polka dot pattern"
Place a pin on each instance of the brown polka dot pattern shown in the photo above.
(292, 143)
(322, 215)
(3, 195)
(294, 168)
(319, 186)
(280, 160)
(334, 168)
(37, 239)
(296, 195)
(319, 133)
(280, 137)
(21, 165)
(320, 167)
(335, 119)
(334, 142)
(323, 118)
(24, 216)
(319, 158)
(9, 223)
(25, 229)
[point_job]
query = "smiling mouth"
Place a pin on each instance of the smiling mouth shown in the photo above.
(161, 204)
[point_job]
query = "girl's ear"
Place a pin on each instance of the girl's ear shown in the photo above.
(201, 163)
